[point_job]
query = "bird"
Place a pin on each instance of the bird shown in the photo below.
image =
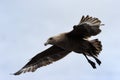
(77, 40)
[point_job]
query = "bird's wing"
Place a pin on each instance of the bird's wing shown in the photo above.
(87, 27)
(44, 58)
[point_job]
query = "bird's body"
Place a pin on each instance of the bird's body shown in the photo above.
(78, 45)
(71, 44)
(64, 43)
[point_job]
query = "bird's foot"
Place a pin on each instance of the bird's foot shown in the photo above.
(92, 64)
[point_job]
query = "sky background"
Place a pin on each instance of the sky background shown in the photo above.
(26, 24)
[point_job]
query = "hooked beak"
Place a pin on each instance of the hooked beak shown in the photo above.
(46, 43)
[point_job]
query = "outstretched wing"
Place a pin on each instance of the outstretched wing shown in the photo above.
(87, 27)
(44, 58)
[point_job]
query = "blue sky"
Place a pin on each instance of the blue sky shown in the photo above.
(26, 24)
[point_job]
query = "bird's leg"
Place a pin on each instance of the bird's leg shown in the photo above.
(97, 60)
(91, 62)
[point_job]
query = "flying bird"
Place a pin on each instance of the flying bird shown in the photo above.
(76, 40)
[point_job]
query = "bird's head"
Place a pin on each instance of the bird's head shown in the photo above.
(55, 40)
(50, 40)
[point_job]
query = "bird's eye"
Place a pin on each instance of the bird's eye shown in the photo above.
(50, 38)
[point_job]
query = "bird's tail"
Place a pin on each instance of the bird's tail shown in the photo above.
(94, 51)
(97, 46)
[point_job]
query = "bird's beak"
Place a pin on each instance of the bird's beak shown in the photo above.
(46, 43)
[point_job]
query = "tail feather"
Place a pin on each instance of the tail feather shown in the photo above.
(97, 46)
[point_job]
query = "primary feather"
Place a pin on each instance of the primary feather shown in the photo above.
(87, 27)
(44, 58)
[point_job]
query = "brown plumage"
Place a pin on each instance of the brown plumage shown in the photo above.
(75, 40)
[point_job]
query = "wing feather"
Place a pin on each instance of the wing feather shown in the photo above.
(44, 58)
(87, 27)
(82, 19)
